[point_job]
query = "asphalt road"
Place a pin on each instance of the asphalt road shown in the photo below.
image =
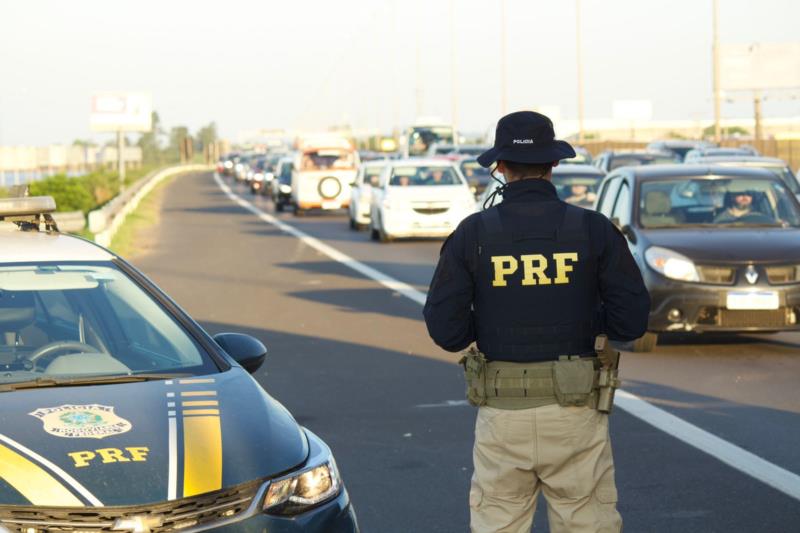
(353, 362)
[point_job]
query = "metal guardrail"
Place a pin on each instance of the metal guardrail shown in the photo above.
(105, 222)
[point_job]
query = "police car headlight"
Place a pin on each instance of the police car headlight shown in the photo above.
(299, 492)
(671, 264)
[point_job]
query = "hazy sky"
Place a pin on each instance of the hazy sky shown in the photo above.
(309, 64)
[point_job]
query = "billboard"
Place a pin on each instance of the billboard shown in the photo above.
(753, 67)
(632, 110)
(121, 111)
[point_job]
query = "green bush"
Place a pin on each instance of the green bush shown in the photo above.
(70, 194)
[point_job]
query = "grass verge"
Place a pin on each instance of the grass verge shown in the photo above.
(132, 236)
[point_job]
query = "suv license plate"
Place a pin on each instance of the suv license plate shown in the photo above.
(331, 204)
(753, 300)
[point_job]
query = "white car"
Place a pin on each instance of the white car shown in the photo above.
(369, 176)
(419, 198)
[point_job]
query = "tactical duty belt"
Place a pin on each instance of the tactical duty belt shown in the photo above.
(570, 381)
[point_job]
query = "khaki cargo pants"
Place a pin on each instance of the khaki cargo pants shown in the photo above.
(564, 452)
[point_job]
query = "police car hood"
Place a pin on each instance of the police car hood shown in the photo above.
(143, 442)
(730, 245)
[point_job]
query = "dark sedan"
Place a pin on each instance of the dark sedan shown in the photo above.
(718, 246)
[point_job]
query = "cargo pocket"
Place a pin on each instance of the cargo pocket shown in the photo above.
(573, 381)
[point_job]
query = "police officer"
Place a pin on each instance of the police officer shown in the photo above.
(532, 281)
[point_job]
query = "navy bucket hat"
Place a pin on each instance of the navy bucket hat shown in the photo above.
(526, 137)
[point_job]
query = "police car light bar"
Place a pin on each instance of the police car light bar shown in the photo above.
(20, 207)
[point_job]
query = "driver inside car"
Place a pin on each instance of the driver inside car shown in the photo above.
(740, 205)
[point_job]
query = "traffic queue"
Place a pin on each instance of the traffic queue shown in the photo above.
(714, 230)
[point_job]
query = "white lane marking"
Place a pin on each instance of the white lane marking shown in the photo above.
(387, 281)
(730, 454)
(447, 403)
(172, 468)
(69, 480)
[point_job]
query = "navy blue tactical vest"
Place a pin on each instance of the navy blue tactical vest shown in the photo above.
(536, 292)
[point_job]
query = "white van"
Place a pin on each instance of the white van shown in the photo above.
(324, 171)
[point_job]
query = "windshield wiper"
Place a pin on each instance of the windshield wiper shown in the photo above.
(44, 382)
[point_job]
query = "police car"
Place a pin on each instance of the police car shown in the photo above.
(121, 414)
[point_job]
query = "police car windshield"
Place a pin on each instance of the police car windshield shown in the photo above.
(423, 176)
(71, 321)
(717, 202)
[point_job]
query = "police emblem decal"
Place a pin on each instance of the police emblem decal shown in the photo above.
(92, 421)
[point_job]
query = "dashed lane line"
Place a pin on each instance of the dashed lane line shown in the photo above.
(747, 462)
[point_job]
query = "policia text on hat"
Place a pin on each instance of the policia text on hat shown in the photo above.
(533, 282)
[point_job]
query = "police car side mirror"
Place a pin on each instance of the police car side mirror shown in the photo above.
(627, 230)
(244, 349)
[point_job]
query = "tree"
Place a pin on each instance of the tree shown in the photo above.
(205, 136)
(148, 142)
(177, 136)
(735, 131)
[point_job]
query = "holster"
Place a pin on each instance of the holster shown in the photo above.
(474, 364)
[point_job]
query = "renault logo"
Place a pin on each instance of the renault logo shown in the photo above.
(751, 275)
(138, 524)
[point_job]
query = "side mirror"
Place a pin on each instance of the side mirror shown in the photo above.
(627, 230)
(245, 350)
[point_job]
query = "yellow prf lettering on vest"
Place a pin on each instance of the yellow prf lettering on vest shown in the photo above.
(504, 265)
(534, 266)
(110, 455)
(562, 268)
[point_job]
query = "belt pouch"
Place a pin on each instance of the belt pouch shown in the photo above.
(573, 380)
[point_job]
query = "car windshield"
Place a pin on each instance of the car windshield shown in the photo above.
(474, 172)
(638, 160)
(372, 175)
(423, 176)
(326, 159)
(577, 189)
(73, 320)
(717, 202)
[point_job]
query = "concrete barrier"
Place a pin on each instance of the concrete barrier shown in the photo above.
(70, 221)
(105, 222)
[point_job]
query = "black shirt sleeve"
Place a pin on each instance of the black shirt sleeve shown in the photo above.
(624, 297)
(448, 308)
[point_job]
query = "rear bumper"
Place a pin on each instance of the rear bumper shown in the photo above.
(678, 306)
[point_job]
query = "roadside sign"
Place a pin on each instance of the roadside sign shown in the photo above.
(121, 111)
(761, 66)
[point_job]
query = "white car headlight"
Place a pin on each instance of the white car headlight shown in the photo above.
(258, 176)
(671, 264)
(300, 491)
(285, 189)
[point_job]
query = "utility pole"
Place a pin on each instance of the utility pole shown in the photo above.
(121, 159)
(579, 58)
(715, 58)
(759, 133)
(503, 61)
(419, 73)
(453, 73)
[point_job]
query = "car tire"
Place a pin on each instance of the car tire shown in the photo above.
(353, 225)
(299, 212)
(645, 343)
(383, 236)
(373, 233)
